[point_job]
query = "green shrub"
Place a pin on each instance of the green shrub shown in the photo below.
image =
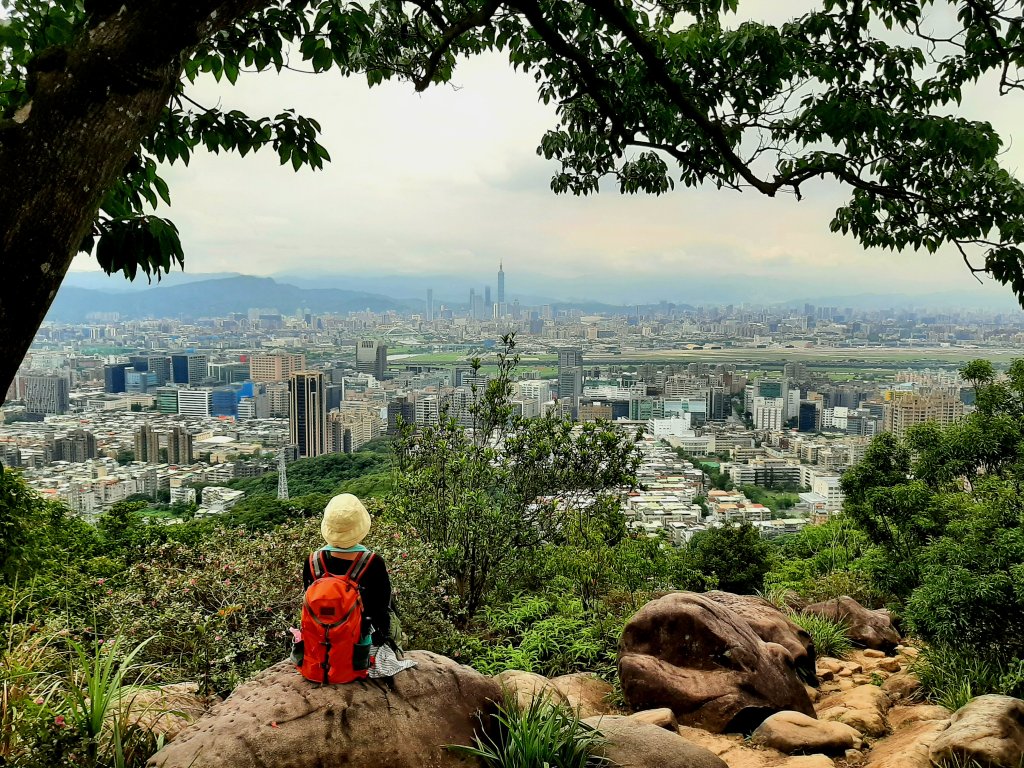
(830, 638)
(952, 676)
(540, 736)
(550, 634)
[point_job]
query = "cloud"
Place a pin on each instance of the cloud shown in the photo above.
(449, 181)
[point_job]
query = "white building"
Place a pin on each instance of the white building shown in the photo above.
(195, 402)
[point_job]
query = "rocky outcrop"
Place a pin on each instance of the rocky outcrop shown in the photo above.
(863, 708)
(908, 748)
(866, 628)
(773, 626)
(796, 733)
(526, 686)
(634, 744)
(903, 686)
(586, 694)
(702, 660)
(663, 718)
(279, 719)
(988, 730)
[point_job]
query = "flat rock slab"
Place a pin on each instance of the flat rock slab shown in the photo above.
(908, 748)
(279, 719)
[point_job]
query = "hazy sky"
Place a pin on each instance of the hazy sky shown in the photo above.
(449, 182)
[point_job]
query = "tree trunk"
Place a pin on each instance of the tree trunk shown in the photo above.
(91, 106)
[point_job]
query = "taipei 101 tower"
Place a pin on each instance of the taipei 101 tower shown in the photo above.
(501, 284)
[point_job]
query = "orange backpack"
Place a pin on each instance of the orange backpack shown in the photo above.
(332, 623)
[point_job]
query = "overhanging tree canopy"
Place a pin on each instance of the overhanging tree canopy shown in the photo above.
(648, 94)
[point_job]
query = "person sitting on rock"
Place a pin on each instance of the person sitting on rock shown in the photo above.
(325, 618)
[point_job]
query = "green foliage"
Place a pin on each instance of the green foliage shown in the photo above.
(220, 611)
(830, 637)
(66, 699)
(548, 634)
(322, 474)
(953, 675)
(487, 488)
(823, 562)
(540, 736)
(736, 556)
(943, 512)
(638, 87)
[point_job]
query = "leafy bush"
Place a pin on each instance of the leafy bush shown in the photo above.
(830, 638)
(64, 701)
(540, 736)
(549, 634)
(737, 556)
(952, 676)
(221, 608)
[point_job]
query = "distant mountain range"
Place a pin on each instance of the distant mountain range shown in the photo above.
(217, 298)
(195, 295)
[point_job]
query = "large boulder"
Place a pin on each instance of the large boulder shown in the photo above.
(630, 743)
(866, 628)
(279, 719)
(988, 730)
(702, 660)
(773, 626)
(796, 733)
(585, 693)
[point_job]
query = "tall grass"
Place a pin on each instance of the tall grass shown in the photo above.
(542, 735)
(830, 638)
(953, 676)
(99, 699)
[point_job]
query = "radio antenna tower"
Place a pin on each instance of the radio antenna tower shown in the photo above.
(282, 477)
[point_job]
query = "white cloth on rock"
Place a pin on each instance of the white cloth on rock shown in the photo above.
(386, 662)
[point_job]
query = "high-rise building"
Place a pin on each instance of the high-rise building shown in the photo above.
(229, 373)
(430, 305)
(809, 416)
(307, 413)
(46, 393)
(278, 366)
(488, 304)
(372, 357)
(195, 402)
(166, 399)
(570, 373)
(114, 377)
(189, 368)
(905, 412)
(77, 446)
(161, 366)
(401, 410)
(147, 444)
(139, 382)
(501, 283)
(179, 446)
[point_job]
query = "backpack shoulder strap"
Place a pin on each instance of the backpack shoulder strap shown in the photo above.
(359, 566)
(318, 564)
